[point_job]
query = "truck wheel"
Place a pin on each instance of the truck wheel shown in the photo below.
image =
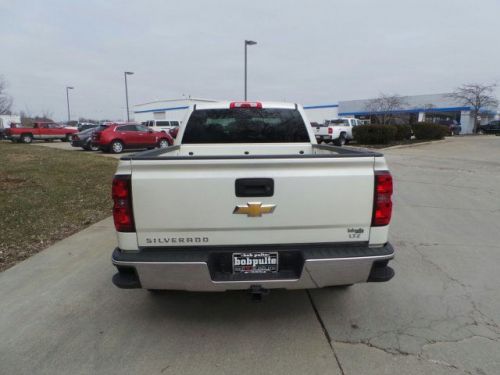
(26, 138)
(340, 141)
(67, 138)
(163, 143)
(116, 147)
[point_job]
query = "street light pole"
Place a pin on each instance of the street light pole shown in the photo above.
(126, 93)
(247, 43)
(67, 101)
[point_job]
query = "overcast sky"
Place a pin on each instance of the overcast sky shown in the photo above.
(310, 52)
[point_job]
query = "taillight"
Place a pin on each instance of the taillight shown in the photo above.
(245, 105)
(122, 207)
(330, 131)
(75, 137)
(382, 203)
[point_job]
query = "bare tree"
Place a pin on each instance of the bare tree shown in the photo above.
(385, 105)
(46, 115)
(476, 96)
(5, 99)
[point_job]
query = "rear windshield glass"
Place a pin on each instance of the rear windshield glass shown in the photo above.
(338, 122)
(245, 125)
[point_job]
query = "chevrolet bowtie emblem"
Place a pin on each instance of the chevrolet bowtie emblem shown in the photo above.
(254, 209)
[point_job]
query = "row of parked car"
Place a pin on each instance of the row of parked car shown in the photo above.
(108, 137)
(117, 137)
(491, 128)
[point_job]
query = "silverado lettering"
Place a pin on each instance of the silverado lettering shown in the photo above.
(164, 240)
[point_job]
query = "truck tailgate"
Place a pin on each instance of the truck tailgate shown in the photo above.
(192, 202)
(320, 130)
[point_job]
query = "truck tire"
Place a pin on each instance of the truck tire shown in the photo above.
(26, 138)
(116, 147)
(340, 141)
(67, 138)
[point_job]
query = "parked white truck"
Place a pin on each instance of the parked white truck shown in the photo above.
(227, 206)
(338, 131)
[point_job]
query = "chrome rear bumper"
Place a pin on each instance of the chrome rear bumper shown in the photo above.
(206, 268)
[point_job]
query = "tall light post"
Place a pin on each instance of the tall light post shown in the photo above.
(126, 92)
(67, 100)
(247, 43)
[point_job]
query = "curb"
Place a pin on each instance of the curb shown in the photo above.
(414, 144)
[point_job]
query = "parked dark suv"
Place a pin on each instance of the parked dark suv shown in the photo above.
(454, 126)
(491, 128)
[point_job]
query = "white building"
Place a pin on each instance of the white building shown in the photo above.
(169, 109)
(416, 108)
(321, 112)
(6, 120)
(420, 108)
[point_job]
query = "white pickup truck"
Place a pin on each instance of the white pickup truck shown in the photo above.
(227, 206)
(338, 131)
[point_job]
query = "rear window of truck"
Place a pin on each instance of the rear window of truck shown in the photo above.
(245, 125)
(338, 122)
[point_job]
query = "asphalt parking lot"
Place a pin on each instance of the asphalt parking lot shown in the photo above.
(60, 314)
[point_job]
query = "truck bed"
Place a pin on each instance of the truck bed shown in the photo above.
(321, 194)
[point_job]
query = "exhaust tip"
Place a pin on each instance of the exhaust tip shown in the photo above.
(126, 278)
(380, 272)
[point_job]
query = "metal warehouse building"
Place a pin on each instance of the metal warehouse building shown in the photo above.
(170, 109)
(418, 108)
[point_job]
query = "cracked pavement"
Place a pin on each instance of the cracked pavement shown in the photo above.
(441, 312)
(60, 313)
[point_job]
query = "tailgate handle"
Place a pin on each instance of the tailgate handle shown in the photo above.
(254, 187)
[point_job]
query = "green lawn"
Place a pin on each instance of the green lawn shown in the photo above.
(48, 194)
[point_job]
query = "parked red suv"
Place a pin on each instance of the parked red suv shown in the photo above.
(117, 137)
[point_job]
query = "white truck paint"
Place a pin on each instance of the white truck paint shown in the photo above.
(197, 209)
(338, 131)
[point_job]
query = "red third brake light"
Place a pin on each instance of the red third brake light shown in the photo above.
(122, 207)
(382, 203)
(245, 105)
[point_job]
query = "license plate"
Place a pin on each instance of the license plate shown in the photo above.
(255, 262)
